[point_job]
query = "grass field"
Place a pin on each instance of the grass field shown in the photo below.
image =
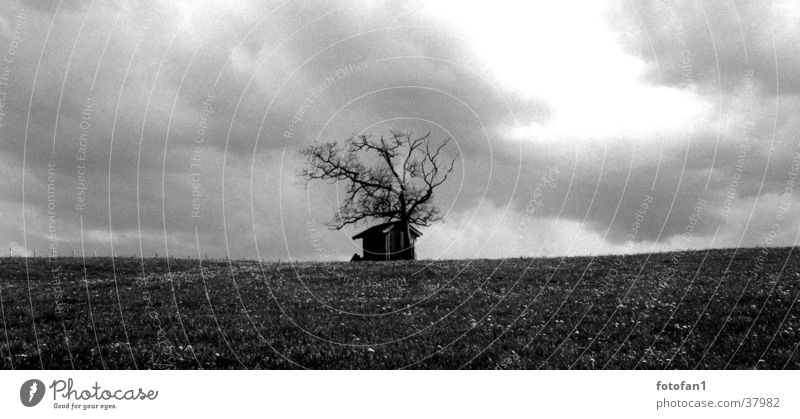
(701, 309)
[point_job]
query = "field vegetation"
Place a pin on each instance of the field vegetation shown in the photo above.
(701, 309)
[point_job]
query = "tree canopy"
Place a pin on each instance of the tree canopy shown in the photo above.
(392, 177)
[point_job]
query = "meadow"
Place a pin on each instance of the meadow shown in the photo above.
(714, 309)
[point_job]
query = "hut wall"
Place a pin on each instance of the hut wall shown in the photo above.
(374, 247)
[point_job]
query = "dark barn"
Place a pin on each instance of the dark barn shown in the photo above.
(385, 242)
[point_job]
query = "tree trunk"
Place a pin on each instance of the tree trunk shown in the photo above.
(406, 245)
(406, 248)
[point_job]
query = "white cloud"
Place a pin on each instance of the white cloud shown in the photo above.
(566, 54)
(493, 232)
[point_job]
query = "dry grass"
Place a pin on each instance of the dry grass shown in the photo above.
(658, 311)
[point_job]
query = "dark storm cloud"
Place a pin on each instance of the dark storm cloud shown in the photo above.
(712, 43)
(260, 81)
(146, 98)
(733, 53)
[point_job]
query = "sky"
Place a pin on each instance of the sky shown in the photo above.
(581, 127)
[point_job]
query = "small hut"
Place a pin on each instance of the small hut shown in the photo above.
(385, 242)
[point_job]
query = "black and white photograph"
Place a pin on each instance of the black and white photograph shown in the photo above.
(585, 188)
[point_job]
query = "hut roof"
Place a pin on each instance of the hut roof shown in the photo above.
(385, 228)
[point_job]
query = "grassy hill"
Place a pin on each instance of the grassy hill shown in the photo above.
(705, 309)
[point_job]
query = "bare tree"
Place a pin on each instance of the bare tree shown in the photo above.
(391, 178)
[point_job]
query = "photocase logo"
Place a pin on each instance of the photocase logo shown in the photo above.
(31, 392)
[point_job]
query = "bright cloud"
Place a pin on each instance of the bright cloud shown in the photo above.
(567, 54)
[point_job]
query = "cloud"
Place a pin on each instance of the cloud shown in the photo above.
(605, 92)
